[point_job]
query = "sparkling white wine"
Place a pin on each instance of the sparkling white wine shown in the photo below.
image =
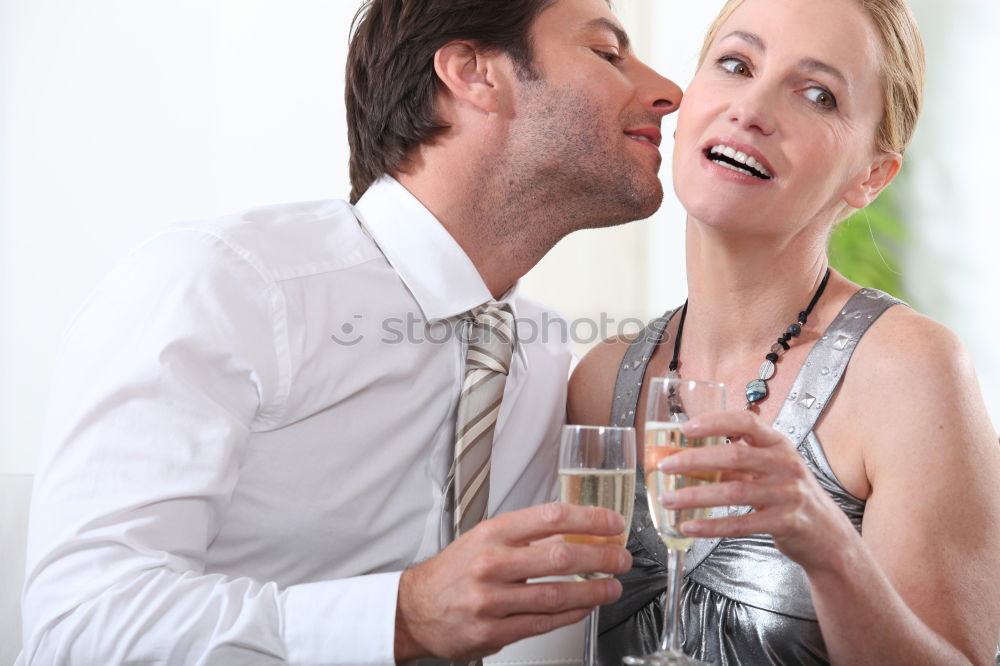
(607, 488)
(664, 439)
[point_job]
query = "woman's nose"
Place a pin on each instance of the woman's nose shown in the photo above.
(753, 111)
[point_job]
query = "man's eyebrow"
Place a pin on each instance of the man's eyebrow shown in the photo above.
(607, 24)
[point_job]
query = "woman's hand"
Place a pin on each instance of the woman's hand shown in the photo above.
(761, 469)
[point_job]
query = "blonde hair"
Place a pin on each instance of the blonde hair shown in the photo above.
(903, 67)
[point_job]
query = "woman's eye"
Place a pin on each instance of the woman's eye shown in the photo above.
(821, 97)
(735, 66)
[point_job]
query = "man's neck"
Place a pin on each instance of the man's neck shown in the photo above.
(504, 230)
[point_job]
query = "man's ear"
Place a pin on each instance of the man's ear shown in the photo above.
(470, 74)
(873, 180)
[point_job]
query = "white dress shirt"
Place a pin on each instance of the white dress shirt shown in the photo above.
(250, 431)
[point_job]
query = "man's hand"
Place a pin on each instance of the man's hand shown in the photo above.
(472, 598)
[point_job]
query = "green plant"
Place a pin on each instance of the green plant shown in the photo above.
(865, 247)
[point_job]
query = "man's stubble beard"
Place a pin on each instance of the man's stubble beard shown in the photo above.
(565, 168)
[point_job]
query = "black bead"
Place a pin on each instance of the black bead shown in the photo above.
(802, 317)
(795, 330)
(786, 337)
(783, 344)
(772, 357)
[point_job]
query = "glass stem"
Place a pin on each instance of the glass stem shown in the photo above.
(671, 640)
(590, 639)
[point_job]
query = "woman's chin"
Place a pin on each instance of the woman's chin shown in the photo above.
(725, 217)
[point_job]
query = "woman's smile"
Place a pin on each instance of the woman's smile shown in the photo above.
(738, 161)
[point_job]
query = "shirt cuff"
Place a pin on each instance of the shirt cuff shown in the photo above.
(347, 621)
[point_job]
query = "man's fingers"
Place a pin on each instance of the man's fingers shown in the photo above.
(551, 558)
(517, 627)
(553, 597)
(538, 522)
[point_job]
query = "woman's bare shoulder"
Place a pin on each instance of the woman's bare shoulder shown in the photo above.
(592, 386)
(904, 345)
(911, 374)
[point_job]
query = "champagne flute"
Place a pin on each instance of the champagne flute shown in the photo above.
(670, 404)
(597, 468)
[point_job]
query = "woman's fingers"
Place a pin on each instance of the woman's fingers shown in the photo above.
(759, 451)
(775, 520)
(729, 475)
(735, 493)
(735, 459)
(744, 425)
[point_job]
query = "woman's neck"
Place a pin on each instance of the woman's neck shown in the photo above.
(744, 291)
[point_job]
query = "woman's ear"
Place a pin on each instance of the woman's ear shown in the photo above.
(873, 180)
(469, 74)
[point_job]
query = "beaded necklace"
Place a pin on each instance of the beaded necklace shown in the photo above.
(757, 389)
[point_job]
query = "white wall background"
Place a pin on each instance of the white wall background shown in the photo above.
(952, 269)
(118, 117)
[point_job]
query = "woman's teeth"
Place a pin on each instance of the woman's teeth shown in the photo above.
(731, 158)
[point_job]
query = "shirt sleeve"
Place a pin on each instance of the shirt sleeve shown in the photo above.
(166, 371)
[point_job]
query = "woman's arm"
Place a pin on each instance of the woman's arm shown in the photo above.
(921, 586)
(932, 521)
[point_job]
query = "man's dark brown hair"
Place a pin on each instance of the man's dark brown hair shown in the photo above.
(391, 83)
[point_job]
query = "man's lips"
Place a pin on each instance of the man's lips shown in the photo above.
(645, 134)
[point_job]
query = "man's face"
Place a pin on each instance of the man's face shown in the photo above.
(588, 130)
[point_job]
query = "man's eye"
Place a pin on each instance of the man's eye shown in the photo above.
(610, 56)
(821, 97)
(734, 66)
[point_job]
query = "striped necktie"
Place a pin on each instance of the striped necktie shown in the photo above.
(487, 362)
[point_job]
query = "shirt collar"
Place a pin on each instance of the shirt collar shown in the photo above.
(431, 263)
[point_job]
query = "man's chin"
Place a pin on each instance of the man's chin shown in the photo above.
(629, 210)
(648, 199)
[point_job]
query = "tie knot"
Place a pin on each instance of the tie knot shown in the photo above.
(491, 338)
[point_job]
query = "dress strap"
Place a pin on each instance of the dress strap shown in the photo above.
(824, 367)
(633, 369)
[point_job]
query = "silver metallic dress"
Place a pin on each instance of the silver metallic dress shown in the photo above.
(742, 601)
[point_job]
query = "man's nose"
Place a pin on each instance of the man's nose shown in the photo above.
(657, 93)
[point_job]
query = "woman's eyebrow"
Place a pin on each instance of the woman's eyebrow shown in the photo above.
(814, 65)
(749, 37)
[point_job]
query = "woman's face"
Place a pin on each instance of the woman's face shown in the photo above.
(777, 129)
